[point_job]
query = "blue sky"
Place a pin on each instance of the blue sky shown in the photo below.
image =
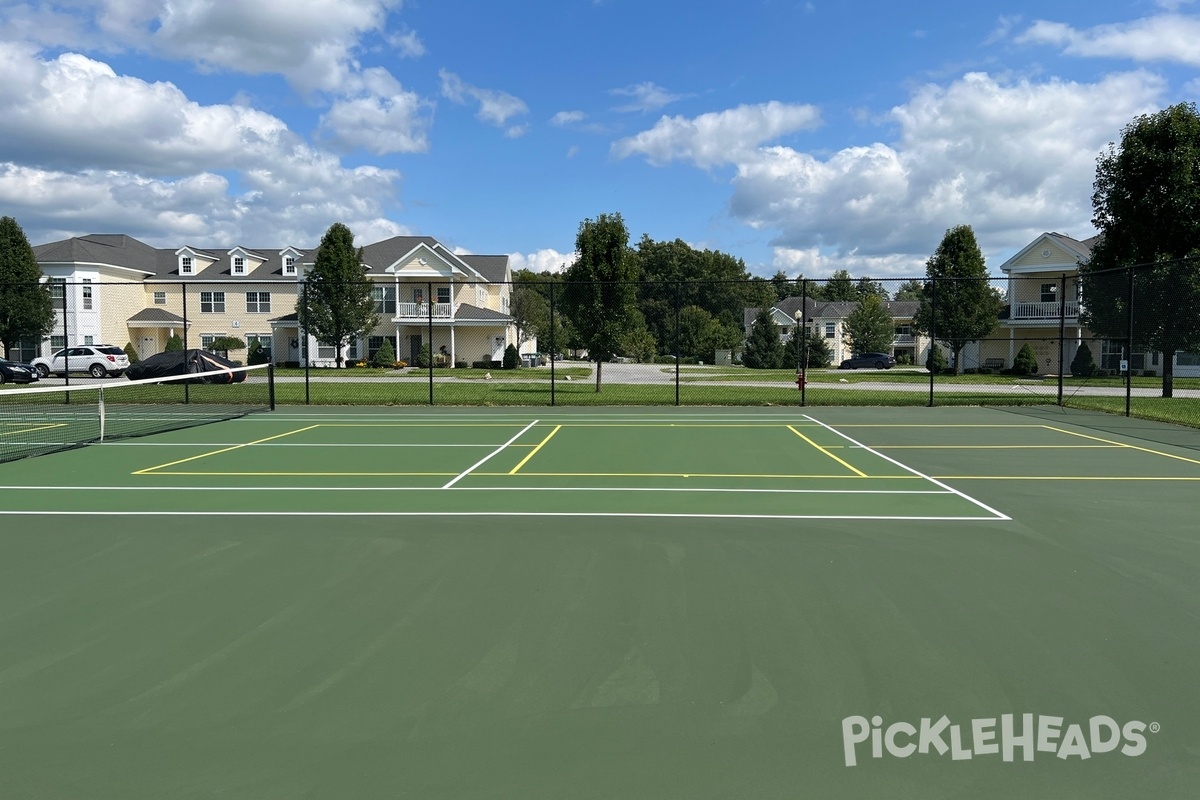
(799, 136)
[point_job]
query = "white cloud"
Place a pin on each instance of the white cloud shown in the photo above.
(407, 44)
(1009, 158)
(312, 43)
(722, 137)
(1167, 37)
(495, 107)
(383, 118)
(565, 118)
(541, 261)
(647, 96)
(88, 150)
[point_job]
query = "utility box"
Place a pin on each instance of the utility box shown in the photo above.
(724, 358)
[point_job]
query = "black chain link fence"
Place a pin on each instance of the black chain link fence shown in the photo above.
(1019, 340)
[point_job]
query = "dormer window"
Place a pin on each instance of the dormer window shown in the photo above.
(185, 265)
(289, 266)
(239, 265)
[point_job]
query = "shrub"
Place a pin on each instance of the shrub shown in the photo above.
(423, 357)
(936, 360)
(174, 344)
(512, 359)
(1026, 362)
(460, 365)
(385, 356)
(971, 370)
(131, 353)
(399, 364)
(1082, 365)
(257, 354)
(485, 364)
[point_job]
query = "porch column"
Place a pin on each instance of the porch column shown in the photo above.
(453, 346)
(1012, 332)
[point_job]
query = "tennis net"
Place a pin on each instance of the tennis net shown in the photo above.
(47, 419)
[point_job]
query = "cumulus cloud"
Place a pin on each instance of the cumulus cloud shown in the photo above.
(88, 150)
(495, 107)
(1010, 158)
(382, 118)
(1167, 37)
(564, 118)
(723, 137)
(541, 261)
(647, 96)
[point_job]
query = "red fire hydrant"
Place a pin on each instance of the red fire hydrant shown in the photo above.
(800, 381)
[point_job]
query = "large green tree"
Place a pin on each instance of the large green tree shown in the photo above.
(1146, 202)
(600, 288)
(870, 327)
(26, 310)
(335, 303)
(763, 348)
(958, 303)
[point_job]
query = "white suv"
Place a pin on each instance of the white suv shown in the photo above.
(96, 360)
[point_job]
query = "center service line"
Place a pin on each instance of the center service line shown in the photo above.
(907, 468)
(484, 460)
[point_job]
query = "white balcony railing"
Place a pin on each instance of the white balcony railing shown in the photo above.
(1044, 310)
(421, 310)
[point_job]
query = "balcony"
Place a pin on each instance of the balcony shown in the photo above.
(417, 312)
(1044, 310)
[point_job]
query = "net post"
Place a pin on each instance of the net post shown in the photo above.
(100, 411)
(271, 386)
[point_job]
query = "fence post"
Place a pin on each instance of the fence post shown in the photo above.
(429, 327)
(304, 336)
(1062, 333)
(932, 334)
(802, 335)
(1129, 347)
(187, 396)
(678, 354)
(553, 348)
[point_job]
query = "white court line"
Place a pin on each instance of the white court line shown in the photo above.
(919, 474)
(206, 513)
(287, 444)
(484, 460)
(622, 490)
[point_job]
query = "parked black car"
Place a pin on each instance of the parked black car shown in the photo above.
(869, 361)
(15, 372)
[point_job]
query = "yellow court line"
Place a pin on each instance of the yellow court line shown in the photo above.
(533, 452)
(34, 430)
(307, 474)
(420, 425)
(979, 447)
(850, 467)
(1122, 444)
(148, 470)
(697, 475)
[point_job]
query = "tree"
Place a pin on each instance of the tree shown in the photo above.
(335, 304)
(174, 344)
(1083, 365)
(600, 288)
(839, 288)
(763, 348)
(223, 344)
(131, 353)
(26, 310)
(1026, 362)
(909, 290)
(385, 356)
(958, 304)
(256, 354)
(818, 352)
(530, 311)
(1145, 201)
(512, 359)
(870, 327)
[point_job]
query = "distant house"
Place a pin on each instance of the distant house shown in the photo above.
(113, 288)
(828, 320)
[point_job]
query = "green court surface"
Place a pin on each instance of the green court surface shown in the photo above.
(606, 603)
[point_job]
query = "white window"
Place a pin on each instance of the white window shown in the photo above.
(258, 302)
(289, 266)
(212, 302)
(207, 339)
(160, 298)
(58, 290)
(185, 265)
(443, 295)
(481, 297)
(89, 339)
(239, 265)
(87, 294)
(830, 330)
